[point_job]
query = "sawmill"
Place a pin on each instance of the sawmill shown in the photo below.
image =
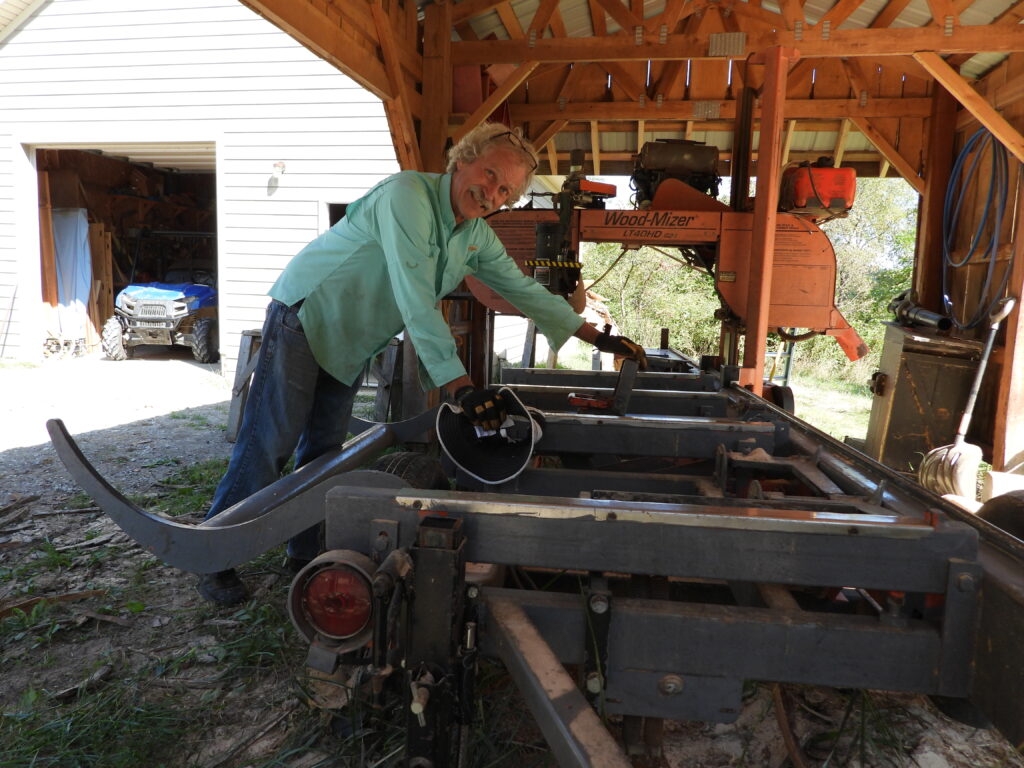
(691, 532)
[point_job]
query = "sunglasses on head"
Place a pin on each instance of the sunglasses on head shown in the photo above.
(517, 141)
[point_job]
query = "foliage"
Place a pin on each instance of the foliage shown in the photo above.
(650, 289)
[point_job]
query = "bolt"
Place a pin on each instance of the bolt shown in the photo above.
(670, 685)
(595, 682)
(472, 591)
(599, 603)
(965, 582)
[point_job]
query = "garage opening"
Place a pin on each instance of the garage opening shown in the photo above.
(128, 249)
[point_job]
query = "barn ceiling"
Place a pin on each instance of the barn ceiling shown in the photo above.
(605, 75)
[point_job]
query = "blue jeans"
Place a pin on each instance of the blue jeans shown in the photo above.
(293, 406)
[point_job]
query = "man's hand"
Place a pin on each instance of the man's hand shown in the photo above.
(485, 408)
(621, 346)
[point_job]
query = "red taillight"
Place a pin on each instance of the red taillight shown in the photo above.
(337, 601)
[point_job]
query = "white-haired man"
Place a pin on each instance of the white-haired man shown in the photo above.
(383, 269)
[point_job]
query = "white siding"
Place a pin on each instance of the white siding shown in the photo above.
(186, 70)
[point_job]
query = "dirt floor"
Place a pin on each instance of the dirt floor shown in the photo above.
(124, 665)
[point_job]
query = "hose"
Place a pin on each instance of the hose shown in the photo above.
(995, 201)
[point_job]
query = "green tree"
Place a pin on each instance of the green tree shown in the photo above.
(650, 289)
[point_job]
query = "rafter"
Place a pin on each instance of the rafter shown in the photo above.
(597, 18)
(1008, 18)
(497, 97)
(542, 17)
(595, 147)
(792, 12)
(941, 9)
(510, 21)
(670, 15)
(839, 13)
(331, 41)
(467, 9)
(552, 157)
(840, 148)
(548, 133)
(623, 16)
(858, 81)
(888, 14)
(974, 103)
(802, 109)
(853, 42)
(890, 153)
(403, 132)
(622, 79)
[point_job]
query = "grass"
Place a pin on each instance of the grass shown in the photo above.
(838, 408)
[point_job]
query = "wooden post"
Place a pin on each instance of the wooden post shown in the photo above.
(927, 280)
(1008, 429)
(766, 204)
(437, 86)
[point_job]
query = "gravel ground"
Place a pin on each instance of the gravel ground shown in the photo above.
(139, 421)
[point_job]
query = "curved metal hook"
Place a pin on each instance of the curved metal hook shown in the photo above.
(254, 525)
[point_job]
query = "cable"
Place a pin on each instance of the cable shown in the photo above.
(996, 197)
(603, 276)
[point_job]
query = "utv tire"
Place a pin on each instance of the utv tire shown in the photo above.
(204, 342)
(416, 469)
(113, 340)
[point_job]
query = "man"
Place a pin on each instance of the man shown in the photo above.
(383, 268)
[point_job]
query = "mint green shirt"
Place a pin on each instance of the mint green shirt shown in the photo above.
(386, 266)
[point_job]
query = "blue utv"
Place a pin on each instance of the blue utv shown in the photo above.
(182, 309)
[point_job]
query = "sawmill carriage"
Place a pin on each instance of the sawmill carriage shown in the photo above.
(690, 532)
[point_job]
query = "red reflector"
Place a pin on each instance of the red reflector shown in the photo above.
(338, 602)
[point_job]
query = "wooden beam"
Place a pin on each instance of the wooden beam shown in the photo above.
(888, 14)
(802, 109)
(1010, 17)
(331, 42)
(941, 9)
(495, 100)
(640, 135)
(792, 12)
(542, 17)
(669, 16)
(903, 168)
(595, 147)
(858, 82)
(974, 103)
(437, 85)
(510, 21)
(938, 165)
(766, 205)
(622, 79)
(841, 43)
(1008, 437)
(597, 19)
(787, 141)
(403, 132)
(622, 15)
(840, 149)
(839, 13)
(467, 9)
(883, 169)
(552, 158)
(548, 133)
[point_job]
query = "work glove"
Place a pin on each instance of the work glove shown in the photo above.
(621, 346)
(485, 408)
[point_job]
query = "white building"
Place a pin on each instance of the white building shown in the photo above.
(194, 85)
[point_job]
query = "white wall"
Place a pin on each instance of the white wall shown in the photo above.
(180, 71)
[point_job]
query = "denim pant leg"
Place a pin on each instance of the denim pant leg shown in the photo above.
(280, 401)
(325, 430)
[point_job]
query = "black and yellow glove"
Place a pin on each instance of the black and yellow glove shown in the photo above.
(485, 408)
(621, 346)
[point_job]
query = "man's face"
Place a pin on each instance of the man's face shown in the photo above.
(481, 187)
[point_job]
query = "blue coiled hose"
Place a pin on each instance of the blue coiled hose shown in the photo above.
(995, 203)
